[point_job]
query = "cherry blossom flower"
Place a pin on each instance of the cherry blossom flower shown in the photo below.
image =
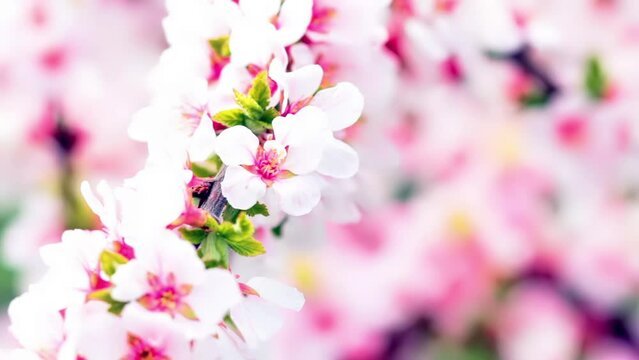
(73, 263)
(137, 334)
(168, 277)
(284, 165)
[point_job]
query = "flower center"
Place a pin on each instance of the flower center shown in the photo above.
(141, 350)
(269, 159)
(322, 19)
(167, 296)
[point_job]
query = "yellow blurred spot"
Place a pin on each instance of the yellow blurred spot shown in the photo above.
(303, 269)
(460, 225)
(508, 144)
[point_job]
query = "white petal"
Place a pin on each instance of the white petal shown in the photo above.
(257, 320)
(278, 293)
(293, 20)
(264, 9)
(298, 195)
(203, 141)
(158, 329)
(254, 42)
(304, 82)
(107, 209)
(214, 297)
(302, 54)
(166, 252)
(306, 134)
(99, 334)
(237, 146)
(241, 188)
(339, 160)
(34, 323)
(342, 103)
(130, 281)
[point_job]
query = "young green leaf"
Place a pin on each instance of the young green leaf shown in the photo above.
(258, 209)
(239, 236)
(115, 307)
(194, 236)
(230, 214)
(230, 118)
(109, 261)
(214, 252)
(221, 46)
(208, 168)
(250, 106)
(248, 247)
(261, 91)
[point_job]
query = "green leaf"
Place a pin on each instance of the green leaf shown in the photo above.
(221, 46)
(256, 126)
(258, 209)
(239, 236)
(208, 168)
(214, 252)
(596, 80)
(269, 115)
(230, 214)
(194, 236)
(109, 261)
(250, 106)
(261, 91)
(115, 307)
(230, 118)
(247, 247)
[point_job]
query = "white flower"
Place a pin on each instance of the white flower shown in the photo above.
(36, 323)
(137, 334)
(73, 263)
(259, 316)
(284, 165)
(167, 276)
(343, 105)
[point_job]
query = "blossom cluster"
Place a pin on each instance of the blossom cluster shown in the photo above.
(481, 203)
(512, 231)
(246, 129)
(69, 86)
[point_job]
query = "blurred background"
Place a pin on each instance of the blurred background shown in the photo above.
(497, 207)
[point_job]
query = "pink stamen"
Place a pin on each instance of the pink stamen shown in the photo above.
(165, 295)
(267, 164)
(142, 350)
